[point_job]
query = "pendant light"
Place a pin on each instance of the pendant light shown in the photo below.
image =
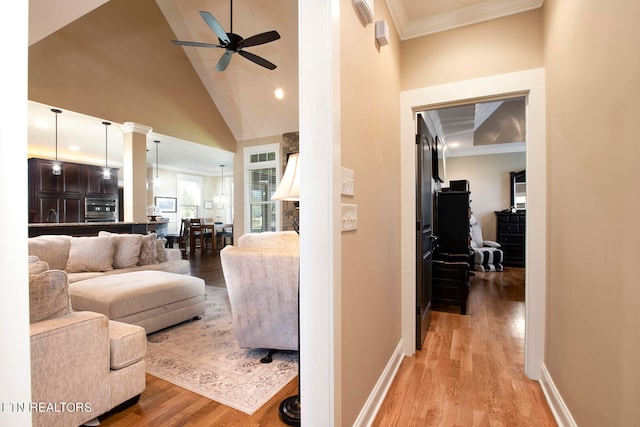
(156, 182)
(221, 198)
(106, 172)
(57, 167)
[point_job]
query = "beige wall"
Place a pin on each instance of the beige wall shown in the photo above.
(489, 182)
(593, 75)
(142, 78)
(370, 89)
(503, 45)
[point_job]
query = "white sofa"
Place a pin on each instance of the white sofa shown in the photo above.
(127, 277)
(107, 253)
(261, 274)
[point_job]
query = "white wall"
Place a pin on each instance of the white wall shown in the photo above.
(488, 177)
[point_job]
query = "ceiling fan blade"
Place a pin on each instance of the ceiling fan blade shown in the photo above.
(258, 60)
(195, 44)
(224, 60)
(261, 38)
(215, 26)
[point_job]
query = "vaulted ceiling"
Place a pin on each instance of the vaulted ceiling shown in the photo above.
(113, 60)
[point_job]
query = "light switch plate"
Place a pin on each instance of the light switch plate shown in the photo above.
(349, 217)
(348, 182)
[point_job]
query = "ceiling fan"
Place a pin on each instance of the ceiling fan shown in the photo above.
(233, 43)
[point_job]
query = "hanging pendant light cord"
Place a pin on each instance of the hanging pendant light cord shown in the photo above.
(157, 143)
(106, 151)
(56, 136)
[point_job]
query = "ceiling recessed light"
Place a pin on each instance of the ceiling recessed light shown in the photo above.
(454, 145)
(279, 93)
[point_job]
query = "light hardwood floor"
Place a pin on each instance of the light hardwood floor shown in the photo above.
(470, 372)
(471, 369)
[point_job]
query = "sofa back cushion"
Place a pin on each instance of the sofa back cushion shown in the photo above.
(48, 295)
(126, 250)
(54, 250)
(93, 253)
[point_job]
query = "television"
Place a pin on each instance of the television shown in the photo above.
(438, 159)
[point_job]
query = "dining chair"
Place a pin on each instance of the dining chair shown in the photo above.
(224, 237)
(181, 238)
(196, 239)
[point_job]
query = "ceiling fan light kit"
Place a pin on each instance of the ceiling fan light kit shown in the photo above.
(233, 43)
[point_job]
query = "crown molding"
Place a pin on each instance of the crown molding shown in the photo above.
(412, 28)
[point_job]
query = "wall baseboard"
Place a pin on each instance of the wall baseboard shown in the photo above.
(372, 405)
(556, 404)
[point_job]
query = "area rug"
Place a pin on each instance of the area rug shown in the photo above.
(204, 356)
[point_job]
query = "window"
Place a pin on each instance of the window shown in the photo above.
(189, 196)
(261, 166)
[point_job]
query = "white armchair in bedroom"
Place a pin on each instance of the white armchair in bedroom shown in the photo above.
(487, 255)
(261, 274)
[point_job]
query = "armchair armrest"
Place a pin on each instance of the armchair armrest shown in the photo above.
(491, 244)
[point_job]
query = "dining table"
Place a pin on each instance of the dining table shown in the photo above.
(208, 227)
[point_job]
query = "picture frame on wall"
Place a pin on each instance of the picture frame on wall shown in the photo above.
(167, 204)
(208, 205)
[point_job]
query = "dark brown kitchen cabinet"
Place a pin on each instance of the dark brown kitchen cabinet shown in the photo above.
(97, 186)
(69, 181)
(60, 198)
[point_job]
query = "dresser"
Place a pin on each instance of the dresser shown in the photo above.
(450, 272)
(510, 235)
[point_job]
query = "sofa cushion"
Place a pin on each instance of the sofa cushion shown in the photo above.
(90, 254)
(148, 250)
(48, 295)
(127, 344)
(120, 295)
(126, 250)
(52, 249)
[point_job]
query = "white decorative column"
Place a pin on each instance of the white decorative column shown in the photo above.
(135, 171)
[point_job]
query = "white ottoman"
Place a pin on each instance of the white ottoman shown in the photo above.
(151, 299)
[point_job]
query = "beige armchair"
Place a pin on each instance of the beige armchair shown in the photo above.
(261, 274)
(82, 364)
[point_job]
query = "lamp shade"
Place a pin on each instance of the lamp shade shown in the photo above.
(289, 188)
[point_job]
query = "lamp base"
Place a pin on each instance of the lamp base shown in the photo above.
(290, 410)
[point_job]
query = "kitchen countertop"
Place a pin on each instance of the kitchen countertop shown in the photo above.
(88, 224)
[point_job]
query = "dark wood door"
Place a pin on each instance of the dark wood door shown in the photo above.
(424, 230)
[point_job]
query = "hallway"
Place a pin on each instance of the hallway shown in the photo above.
(471, 369)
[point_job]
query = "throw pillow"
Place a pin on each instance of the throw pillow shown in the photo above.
(54, 249)
(161, 254)
(126, 249)
(148, 250)
(90, 254)
(48, 295)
